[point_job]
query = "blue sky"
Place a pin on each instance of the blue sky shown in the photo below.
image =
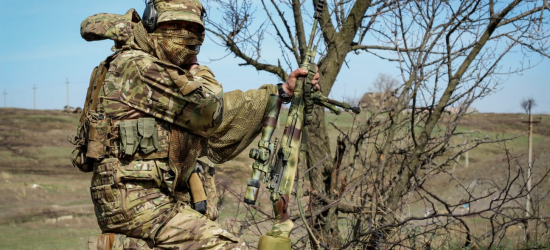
(41, 46)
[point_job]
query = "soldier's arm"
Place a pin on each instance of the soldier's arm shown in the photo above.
(242, 122)
(243, 114)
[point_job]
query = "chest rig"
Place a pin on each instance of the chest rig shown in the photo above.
(99, 137)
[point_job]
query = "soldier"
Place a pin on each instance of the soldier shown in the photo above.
(151, 111)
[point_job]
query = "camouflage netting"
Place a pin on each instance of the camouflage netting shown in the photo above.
(242, 122)
(143, 39)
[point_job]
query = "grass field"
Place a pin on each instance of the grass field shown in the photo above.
(45, 202)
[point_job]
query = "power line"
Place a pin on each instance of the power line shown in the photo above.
(513, 108)
(44, 87)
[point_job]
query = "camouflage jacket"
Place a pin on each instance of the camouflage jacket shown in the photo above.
(138, 84)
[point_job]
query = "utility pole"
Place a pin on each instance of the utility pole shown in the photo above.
(34, 88)
(5, 97)
(467, 160)
(68, 106)
(529, 166)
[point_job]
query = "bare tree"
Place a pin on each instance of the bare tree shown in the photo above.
(449, 53)
(384, 89)
(528, 104)
(444, 61)
(384, 83)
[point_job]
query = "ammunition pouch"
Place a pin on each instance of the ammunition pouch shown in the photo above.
(144, 138)
(147, 129)
(100, 137)
(78, 156)
(92, 141)
(138, 134)
(128, 137)
(277, 238)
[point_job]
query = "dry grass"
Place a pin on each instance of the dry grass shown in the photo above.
(33, 150)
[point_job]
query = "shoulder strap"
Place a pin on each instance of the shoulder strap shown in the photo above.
(103, 68)
(96, 82)
(88, 95)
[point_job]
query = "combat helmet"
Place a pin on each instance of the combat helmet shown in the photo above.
(158, 11)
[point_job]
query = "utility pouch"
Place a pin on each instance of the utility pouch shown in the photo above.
(129, 136)
(147, 128)
(99, 128)
(78, 156)
(80, 161)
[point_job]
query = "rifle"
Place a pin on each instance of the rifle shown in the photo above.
(278, 163)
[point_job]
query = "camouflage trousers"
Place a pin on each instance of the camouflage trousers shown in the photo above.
(188, 229)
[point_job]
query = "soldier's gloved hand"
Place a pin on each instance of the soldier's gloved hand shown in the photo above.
(281, 229)
(288, 86)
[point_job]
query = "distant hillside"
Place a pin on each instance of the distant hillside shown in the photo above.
(45, 202)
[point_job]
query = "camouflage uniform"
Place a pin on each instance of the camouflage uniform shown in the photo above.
(143, 198)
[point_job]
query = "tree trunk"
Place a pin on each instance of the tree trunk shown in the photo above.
(320, 177)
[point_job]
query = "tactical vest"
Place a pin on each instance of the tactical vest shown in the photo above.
(199, 109)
